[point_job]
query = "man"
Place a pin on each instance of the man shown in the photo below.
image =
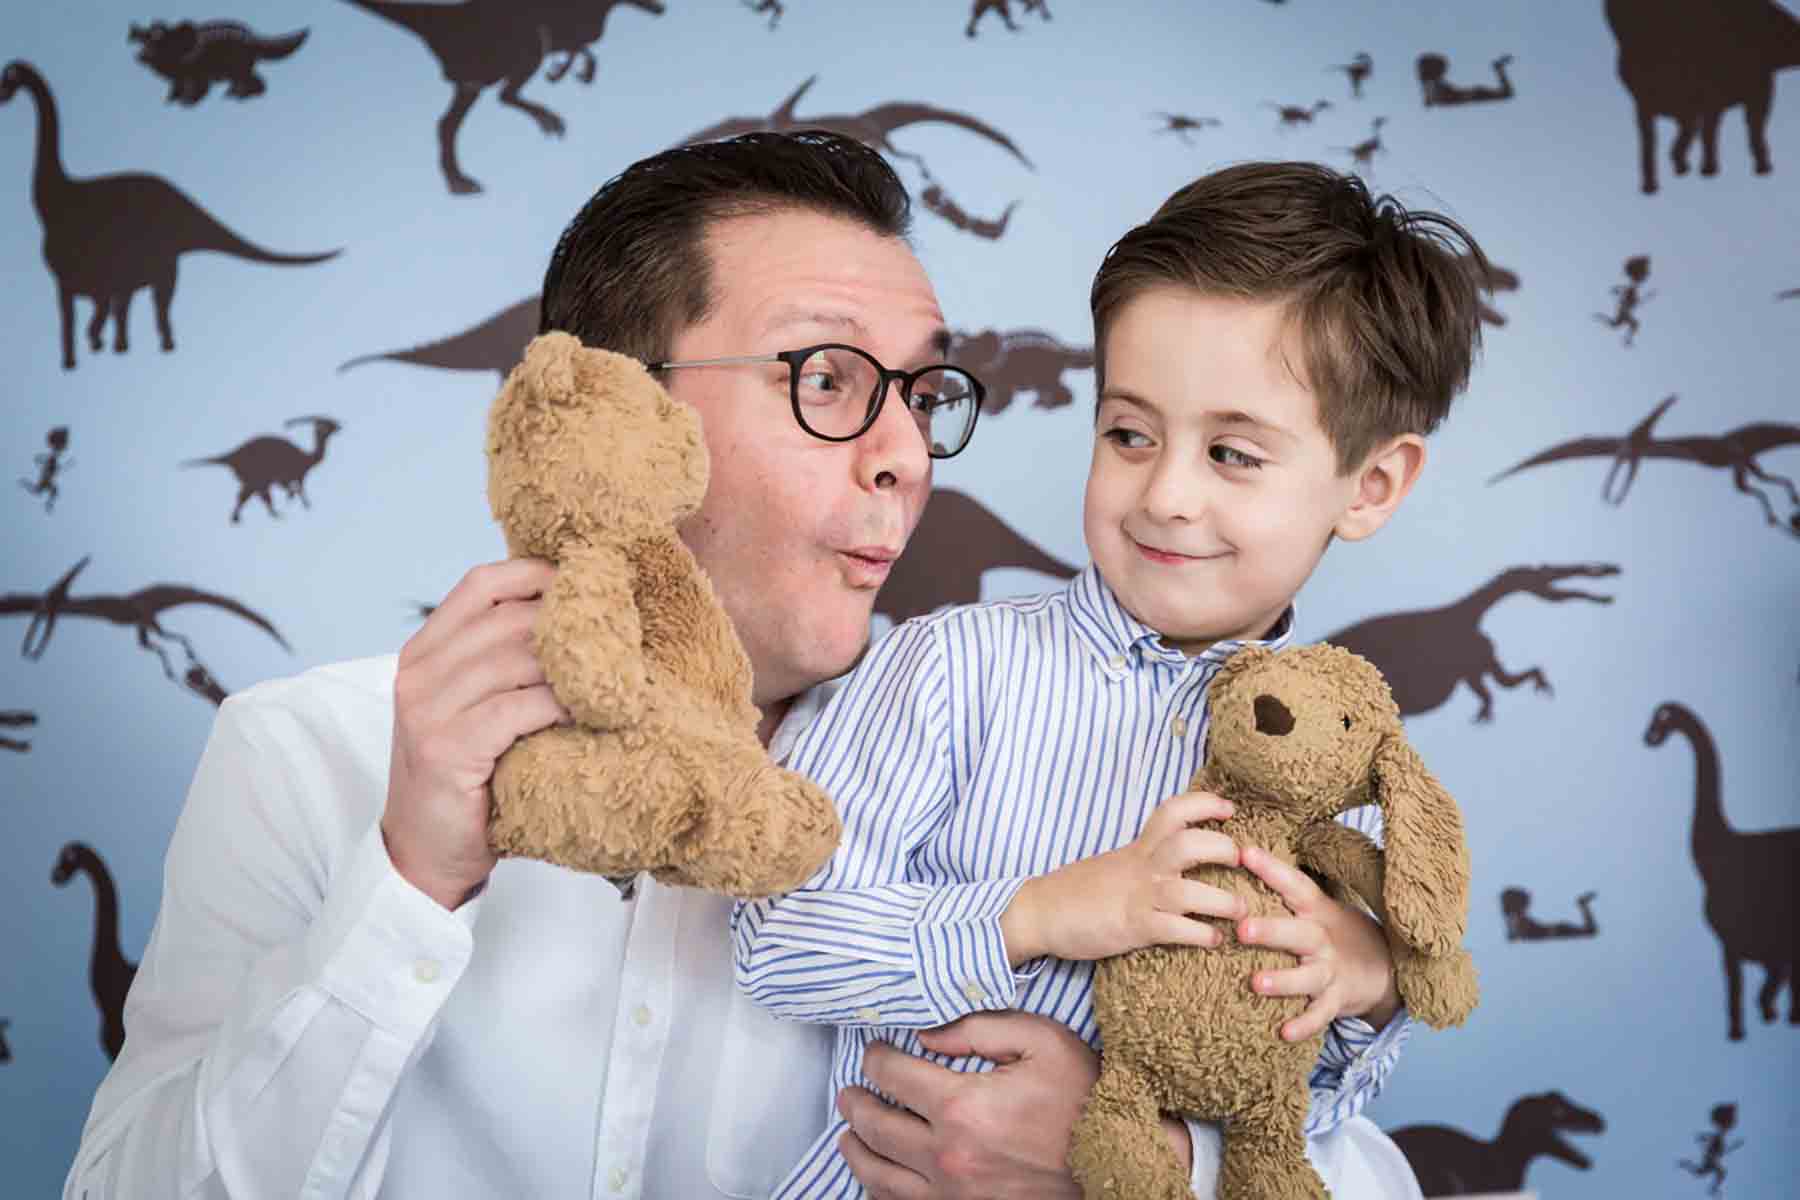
(344, 993)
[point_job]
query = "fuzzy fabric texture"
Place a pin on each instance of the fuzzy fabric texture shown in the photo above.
(1295, 737)
(590, 465)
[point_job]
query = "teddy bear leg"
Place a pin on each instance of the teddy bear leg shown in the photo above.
(1117, 1150)
(1264, 1156)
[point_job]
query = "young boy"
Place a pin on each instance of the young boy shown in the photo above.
(1273, 345)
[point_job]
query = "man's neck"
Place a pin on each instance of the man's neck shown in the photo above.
(772, 716)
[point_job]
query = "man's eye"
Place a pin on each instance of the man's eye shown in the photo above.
(819, 381)
(1230, 457)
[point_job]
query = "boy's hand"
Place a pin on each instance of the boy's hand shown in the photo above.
(1344, 963)
(1130, 897)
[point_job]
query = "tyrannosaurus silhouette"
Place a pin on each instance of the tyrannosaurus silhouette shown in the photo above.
(1181, 124)
(981, 8)
(106, 237)
(1449, 1162)
(1013, 361)
(137, 610)
(957, 540)
(265, 462)
(1752, 879)
(484, 42)
(1735, 450)
(16, 718)
(49, 466)
(109, 972)
(193, 57)
(875, 127)
(1692, 62)
(495, 344)
(1426, 653)
(1714, 1146)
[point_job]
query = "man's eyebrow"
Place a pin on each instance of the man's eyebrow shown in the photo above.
(938, 343)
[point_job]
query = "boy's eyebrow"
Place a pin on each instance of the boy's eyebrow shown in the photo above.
(1232, 416)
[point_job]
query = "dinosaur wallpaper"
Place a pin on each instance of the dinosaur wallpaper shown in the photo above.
(333, 217)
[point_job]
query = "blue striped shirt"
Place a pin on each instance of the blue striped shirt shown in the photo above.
(973, 749)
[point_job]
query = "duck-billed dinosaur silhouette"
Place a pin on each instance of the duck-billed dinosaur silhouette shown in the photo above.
(981, 8)
(1181, 124)
(1014, 361)
(957, 540)
(1735, 450)
(1752, 879)
(49, 466)
(875, 127)
(495, 344)
(106, 237)
(1426, 653)
(109, 972)
(1449, 1162)
(263, 463)
(1294, 114)
(1692, 61)
(193, 57)
(16, 718)
(1357, 70)
(484, 42)
(1521, 926)
(1627, 297)
(139, 610)
(1714, 1146)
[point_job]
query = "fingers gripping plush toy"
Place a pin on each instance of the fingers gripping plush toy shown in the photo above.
(590, 465)
(1294, 738)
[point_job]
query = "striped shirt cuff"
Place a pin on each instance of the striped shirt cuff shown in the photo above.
(963, 967)
(1368, 1057)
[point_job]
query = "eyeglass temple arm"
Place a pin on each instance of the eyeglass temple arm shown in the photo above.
(714, 362)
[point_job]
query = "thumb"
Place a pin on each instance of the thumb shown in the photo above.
(998, 1037)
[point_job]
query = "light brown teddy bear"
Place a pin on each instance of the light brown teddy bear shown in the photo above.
(1295, 737)
(590, 465)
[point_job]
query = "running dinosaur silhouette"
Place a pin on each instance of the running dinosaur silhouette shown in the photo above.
(1735, 450)
(1364, 152)
(193, 57)
(1426, 653)
(875, 127)
(1440, 92)
(265, 462)
(1714, 1146)
(1449, 1162)
(1357, 70)
(1627, 297)
(957, 540)
(1521, 926)
(1752, 880)
(109, 972)
(1014, 361)
(982, 7)
(16, 718)
(1692, 62)
(140, 610)
(484, 42)
(495, 344)
(49, 466)
(1293, 114)
(1180, 124)
(773, 7)
(106, 237)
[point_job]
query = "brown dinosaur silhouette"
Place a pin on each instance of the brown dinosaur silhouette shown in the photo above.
(774, 8)
(1449, 1162)
(138, 610)
(1181, 124)
(956, 541)
(265, 462)
(5, 1050)
(495, 344)
(1693, 61)
(1521, 926)
(875, 127)
(981, 8)
(1364, 152)
(1439, 92)
(1735, 450)
(1626, 298)
(193, 57)
(1752, 879)
(1714, 1145)
(484, 42)
(106, 237)
(1357, 70)
(109, 972)
(1013, 361)
(1490, 279)
(49, 466)
(1789, 294)
(1294, 114)
(16, 718)
(1426, 653)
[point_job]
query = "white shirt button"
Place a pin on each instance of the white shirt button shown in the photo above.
(617, 1179)
(868, 1015)
(426, 970)
(973, 991)
(1116, 662)
(1178, 726)
(641, 1014)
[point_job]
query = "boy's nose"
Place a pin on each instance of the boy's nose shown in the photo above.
(1272, 716)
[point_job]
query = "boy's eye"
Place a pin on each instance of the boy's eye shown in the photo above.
(1230, 457)
(1128, 439)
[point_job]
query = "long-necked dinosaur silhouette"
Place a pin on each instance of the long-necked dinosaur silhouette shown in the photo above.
(875, 127)
(981, 8)
(109, 972)
(774, 8)
(1490, 279)
(139, 610)
(1627, 297)
(50, 465)
(1294, 114)
(106, 237)
(956, 541)
(1752, 879)
(1714, 1146)
(1694, 61)
(1181, 124)
(16, 718)
(193, 57)
(1521, 926)
(1426, 653)
(1449, 1162)
(1014, 361)
(1439, 91)
(1364, 152)
(484, 42)
(263, 463)
(1357, 70)
(1735, 450)
(494, 344)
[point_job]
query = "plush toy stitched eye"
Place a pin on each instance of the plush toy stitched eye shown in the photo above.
(1346, 722)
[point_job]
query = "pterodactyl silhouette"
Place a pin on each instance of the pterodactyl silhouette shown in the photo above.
(1180, 124)
(1735, 450)
(138, 610)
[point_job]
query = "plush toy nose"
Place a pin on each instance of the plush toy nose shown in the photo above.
(1272, 716)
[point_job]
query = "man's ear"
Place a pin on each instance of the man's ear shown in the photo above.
(1381, 484)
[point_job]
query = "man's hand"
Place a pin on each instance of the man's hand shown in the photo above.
(1344, 962)
(1130, 897)
(467, 687)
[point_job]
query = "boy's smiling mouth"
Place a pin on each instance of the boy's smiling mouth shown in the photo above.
(1172, 557)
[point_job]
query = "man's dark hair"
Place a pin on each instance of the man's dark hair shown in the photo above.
(632, 269)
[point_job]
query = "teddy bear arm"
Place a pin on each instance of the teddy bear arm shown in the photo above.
(589, 640)
(1347, 857)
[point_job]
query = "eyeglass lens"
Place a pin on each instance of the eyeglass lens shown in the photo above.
(836, 391)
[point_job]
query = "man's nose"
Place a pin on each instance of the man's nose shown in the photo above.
(892, 451)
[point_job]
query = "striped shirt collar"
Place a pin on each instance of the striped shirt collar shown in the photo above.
(1114, 634)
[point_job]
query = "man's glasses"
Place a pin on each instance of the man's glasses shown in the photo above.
(837, 392)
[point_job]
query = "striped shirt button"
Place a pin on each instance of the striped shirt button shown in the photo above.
(1116, 662)
(868, 1015)
(1178, 727)
(973, 991)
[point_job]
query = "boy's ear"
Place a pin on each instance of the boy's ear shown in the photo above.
(1381, 484)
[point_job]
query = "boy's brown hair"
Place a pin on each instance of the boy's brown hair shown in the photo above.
(1384, 298)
